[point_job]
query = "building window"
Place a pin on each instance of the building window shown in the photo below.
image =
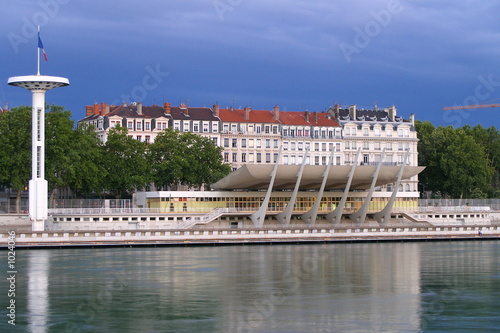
(285, 159)
(376, 131)
(323, 160)
(196, 127)
(226, 128)
(147, 139)
(316, 160)
(243, 143)
(250, 143)
(130, 125)
(251, 158)
(226, 142)
(147, 126)
(259, 143)
(366, 145)
(215, 141)
(266, 129)
(176, 126)
(138, 126)
(234, 143)
(268, 143)
(259, 158)
(226, 157)
(275, 143)
(205, 127)
(243, 158)
(235, 157)
(139, 138)
(258, 129)
(243, 128)
(366, 158)
(234, 128)
(323, 146)
(275, 129)
(215, 127)
(276, 156)
(365, 131)
(268, 157)
(338, 160)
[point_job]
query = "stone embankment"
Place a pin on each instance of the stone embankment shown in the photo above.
(52, 239)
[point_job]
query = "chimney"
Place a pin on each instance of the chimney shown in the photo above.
(215, 110)
(139, 108)
(106, 109)
(184, 108)
(352, 111)
(315, 117)
(306, 115)
(124, 104)
(166, 108)
(276, 112)
(96, 109)
(89, 110)
(392, 112)
(246, 112)
(102, 109)
(412, 119)
(231, 109)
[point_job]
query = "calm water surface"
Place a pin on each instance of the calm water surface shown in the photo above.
(385, 287)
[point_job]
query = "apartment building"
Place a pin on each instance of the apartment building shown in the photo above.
(255, 136)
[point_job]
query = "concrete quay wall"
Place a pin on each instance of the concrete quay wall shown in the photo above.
(243, 236)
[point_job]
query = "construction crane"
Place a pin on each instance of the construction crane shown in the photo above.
(476, 106)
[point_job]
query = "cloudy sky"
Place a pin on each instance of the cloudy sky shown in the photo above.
(419, 55)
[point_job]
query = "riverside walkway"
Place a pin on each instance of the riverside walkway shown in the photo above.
(128, 238)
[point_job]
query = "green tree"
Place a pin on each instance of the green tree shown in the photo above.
(88, 162)
(59, 149)
(204, 160)
(15, 150)
(125, 163)
(457, 165)
(489, 139)
(186, 159)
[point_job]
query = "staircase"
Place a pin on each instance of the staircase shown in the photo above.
(217, 212)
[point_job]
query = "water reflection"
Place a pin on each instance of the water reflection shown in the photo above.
(387, 287)
(38, 294)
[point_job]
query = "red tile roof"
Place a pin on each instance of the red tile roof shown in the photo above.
(254, 116)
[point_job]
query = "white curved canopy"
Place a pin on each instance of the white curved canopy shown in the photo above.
(257, 176)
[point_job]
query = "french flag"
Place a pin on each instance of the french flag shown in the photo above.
(40, 46)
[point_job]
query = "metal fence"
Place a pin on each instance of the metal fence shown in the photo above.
(494, 204)
(91, 203)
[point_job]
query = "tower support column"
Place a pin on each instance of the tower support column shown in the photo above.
(38, 186)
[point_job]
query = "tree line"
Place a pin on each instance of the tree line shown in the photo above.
(75, 158)
(460, 162)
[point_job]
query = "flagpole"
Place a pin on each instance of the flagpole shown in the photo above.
(38, 52)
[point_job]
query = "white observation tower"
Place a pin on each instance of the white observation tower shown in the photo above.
(38, 189)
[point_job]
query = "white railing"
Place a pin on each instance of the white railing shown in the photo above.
(217, 212)
(454, 209)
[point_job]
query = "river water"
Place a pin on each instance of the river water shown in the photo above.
(367, 287)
